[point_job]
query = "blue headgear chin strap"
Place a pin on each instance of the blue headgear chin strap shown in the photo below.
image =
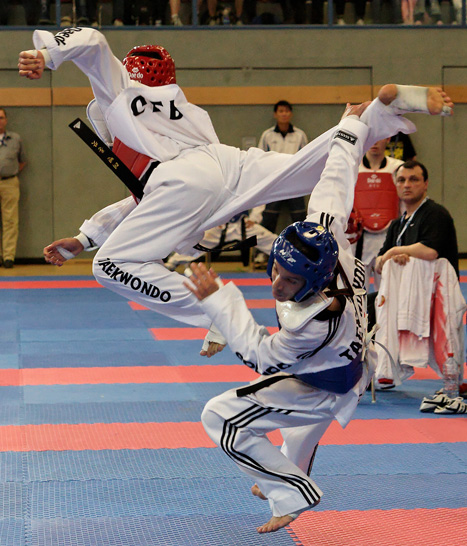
(307, 249)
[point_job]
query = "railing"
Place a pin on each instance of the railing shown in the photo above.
(271, 14)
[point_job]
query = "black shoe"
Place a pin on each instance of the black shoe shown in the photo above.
(8, 264)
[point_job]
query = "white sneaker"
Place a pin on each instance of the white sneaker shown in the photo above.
(456, 405)
(118, 23)
(341, 21)
(176, 21)
(431, 403)
(360, 22)
(65, 21)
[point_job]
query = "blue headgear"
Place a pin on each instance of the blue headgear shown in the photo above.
(307, 249)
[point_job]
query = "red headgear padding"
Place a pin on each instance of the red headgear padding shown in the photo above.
(354, 226)
(151, 65)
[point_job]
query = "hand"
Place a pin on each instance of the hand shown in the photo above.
(212, 350)
(379, 265)
(31, 67)
(401, 259)
(204, 281)
(52, 254)
(355, 109)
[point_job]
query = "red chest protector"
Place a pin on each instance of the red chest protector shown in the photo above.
(132, 159)
(135, 161)
(376, 199)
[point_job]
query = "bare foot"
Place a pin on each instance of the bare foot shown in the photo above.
(274, 524)
(430, 100)
(257, 492)
(436, 100)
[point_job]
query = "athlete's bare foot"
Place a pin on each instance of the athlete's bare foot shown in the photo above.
(257, 492)
(410, 98)
(274, 524)
(437, 100)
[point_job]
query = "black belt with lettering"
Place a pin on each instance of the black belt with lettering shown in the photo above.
(116, 165)
(8, 177)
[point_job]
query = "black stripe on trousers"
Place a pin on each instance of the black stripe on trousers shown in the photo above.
(227, 442)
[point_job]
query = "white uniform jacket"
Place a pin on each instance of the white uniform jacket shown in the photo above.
(141, 117)
(304, 344)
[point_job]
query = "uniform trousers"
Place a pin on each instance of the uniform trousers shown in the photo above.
(9, 199)
(239, 426)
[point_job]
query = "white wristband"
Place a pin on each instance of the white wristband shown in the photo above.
(65, 253)
(45, 54)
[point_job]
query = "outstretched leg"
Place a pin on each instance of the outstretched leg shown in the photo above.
(410, 98)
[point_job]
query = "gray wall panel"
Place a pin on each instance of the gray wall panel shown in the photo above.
(56, 198)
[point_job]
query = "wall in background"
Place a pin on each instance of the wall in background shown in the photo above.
(236, 75)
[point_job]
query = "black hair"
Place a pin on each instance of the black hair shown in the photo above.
(283, 103)
(411, 164)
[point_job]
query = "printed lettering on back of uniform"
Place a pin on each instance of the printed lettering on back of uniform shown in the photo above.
(135, 283)
(348, 137)
(61, 36)
(139, 103)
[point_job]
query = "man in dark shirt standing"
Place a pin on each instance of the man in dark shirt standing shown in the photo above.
(426, 230)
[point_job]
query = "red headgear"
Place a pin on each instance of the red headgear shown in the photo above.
(151, 65)
(354, 226)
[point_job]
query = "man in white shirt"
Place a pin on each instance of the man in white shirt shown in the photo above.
(286, 139)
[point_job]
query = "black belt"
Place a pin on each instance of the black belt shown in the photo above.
(7, 177)
(111, 160)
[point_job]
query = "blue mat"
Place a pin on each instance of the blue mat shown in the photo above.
(171, 497)
(180, 464)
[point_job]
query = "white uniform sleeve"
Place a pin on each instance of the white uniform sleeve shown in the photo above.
(334, 192)
(104, 222)
(91, 53)
(252, 342)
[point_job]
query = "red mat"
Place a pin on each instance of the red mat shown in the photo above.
(31, 285)
(98, 436)
(180, 334)
(251, 304)
(418, 527)
(135, 374)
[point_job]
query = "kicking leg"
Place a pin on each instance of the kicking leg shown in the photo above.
(411, 98)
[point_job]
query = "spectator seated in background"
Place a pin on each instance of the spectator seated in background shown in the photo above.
(222, 14)
(427, 11)
(419, 292)
(360, 6)
(31, 11)
(239, 228)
